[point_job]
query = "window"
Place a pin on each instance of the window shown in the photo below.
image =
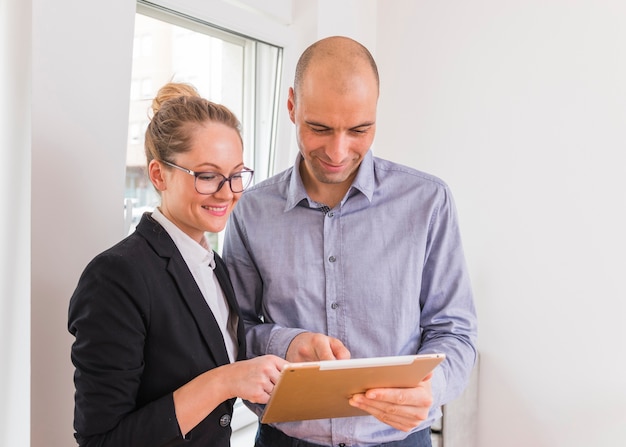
(240, 72)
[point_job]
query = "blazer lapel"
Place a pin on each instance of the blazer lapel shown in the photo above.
(199, 308)
(191, 294)
(224, 279)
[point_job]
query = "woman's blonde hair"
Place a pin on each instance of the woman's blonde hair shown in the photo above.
(177, 109)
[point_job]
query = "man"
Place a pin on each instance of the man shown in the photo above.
(348, 255)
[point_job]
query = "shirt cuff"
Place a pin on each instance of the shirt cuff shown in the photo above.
(280, 339)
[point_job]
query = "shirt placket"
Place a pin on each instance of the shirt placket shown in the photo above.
(333, 266)
(332, 270)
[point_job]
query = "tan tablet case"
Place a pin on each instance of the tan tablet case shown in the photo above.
(320, 390)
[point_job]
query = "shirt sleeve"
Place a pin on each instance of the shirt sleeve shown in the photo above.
(262, 337)
(448, 316)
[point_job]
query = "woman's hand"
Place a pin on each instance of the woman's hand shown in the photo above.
(254, 379)
(251, 380)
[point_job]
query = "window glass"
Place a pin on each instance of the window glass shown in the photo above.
(227, 68)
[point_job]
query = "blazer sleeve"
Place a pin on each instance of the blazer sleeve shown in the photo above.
(108, 315)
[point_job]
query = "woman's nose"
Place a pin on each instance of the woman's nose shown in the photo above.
(225, 191)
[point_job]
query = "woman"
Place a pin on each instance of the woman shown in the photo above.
(155, 319)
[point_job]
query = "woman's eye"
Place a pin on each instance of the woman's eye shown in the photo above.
(208, 177)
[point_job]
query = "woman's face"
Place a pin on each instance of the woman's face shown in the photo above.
(215, 148)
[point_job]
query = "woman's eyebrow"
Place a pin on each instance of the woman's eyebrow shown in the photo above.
(217, 168)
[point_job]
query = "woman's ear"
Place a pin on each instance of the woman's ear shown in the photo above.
(156, 174)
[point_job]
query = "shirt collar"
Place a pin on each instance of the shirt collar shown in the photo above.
(193, 253)
(363, 182)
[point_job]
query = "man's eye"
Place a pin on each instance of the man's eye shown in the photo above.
(319, 129)
(360, 130)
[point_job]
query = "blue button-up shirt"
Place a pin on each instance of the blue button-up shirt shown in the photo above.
(383, 271)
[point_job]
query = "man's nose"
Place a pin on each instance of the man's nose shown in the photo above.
(338, 147)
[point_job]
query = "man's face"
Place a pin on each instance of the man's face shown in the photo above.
(335, 124)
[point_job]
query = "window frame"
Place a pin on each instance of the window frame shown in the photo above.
(254, 148)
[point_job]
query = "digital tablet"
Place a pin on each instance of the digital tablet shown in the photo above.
(320, 390)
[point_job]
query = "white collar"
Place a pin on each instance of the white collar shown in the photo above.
(194, 253)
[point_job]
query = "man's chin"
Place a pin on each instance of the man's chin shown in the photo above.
(331, 178)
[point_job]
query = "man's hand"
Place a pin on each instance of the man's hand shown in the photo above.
(311, 347)
(402, 408)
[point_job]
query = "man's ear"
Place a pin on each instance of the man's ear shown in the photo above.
(291, 105)
(156, 174)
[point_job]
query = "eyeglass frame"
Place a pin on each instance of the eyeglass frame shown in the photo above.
(224, 178)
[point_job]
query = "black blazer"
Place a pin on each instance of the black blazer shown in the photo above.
(143, 329)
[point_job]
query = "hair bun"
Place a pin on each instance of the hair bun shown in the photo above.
(172, 90)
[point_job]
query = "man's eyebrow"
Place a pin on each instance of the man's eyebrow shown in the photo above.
(366, 124)
(315, 123)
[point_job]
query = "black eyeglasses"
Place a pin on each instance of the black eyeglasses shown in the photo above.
(211, 182)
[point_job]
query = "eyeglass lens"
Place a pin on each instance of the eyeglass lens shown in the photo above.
(209, 183)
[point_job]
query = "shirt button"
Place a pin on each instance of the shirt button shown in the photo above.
(335, 306)
(332, 259)
(225, 420)
(331, 214)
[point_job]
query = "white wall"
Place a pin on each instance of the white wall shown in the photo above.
(14, 221)
(80, 88)
(520, 106)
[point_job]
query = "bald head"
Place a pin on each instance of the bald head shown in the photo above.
(338, 57)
